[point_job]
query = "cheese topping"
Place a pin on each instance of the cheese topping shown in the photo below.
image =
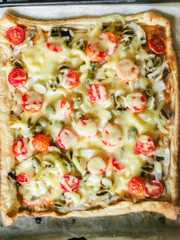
(101, 113)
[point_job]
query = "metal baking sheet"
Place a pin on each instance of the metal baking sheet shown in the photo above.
(140, 226)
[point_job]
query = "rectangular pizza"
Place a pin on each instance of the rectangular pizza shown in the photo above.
(89, 116)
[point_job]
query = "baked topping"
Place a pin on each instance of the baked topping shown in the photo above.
(91, 115)
(15, 35)
(17, 78)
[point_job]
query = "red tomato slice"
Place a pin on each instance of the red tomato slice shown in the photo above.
(157, 45)
(145, 146)
(22, 178)
(95, 52)
(86, 127)
(32, 102)
(97, 93)
(115, 164)
(17, 78)
(127, 71)
(110, 41)
(15, 35)
(67, 139)
(96, 165)
(136, 185)
(70, 80)
(64, 109)
(69, 183)
(154, 189)
(21, 148)
(54, 47)
(136, 102)
(40, 143)
(111, 135)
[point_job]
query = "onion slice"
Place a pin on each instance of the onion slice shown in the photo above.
(158, 170)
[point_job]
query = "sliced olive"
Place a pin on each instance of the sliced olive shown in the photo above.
(66, 33)
(120, 102)
(55, 32)
(90, 77)
(149, 92)
(43, 122)
(77, 102)
(18, 63)
(81, 44)
(105, 26)
(59, 124)
(166, 113)
(157, 62)
(166, 72)
(48, 164)
(147, 169)
(62, 68)
(50, 109)
(59, 203)
(94, 66)
(67, 163)
(38, 129)
(102, 192)
(13, 177)
(36, 162)
(159, 158)
(127, 36)
(118, 27)
(132, 133)
(29, 121)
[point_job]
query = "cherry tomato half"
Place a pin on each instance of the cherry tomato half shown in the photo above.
(40, 143)
(64, 109)
(54, 47)
(32, 102)
(96, 165)
(15, 35)
(95, 52)
(109, 40)
(145, 146)
(17, 78)
(70, 80)
(67, 139)
(136, 102)
(69, 183)
(157, 45)
(97, 93)
(21, 148)
(111, 135)
(127, 71)
(22, 178)
(136, 185)
(154, 189)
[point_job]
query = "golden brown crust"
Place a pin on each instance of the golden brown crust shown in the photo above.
(9, 203)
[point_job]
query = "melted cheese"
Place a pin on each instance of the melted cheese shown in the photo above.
(42, 67)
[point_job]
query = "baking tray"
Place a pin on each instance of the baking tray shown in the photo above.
(138, 225)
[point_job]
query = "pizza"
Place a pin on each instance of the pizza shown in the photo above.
(89, 117)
